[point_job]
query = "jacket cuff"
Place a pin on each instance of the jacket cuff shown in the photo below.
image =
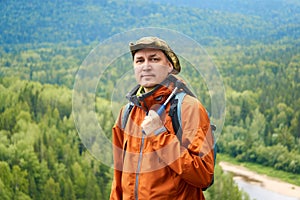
(160, 130)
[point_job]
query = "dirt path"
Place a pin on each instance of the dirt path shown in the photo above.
(263, 180)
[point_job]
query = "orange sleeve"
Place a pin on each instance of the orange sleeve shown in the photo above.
(193, 159)
(117, 143)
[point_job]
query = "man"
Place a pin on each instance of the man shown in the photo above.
(150, 160)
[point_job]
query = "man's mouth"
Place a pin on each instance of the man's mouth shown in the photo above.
(147, 75)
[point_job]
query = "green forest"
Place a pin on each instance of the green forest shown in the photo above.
(255, 45)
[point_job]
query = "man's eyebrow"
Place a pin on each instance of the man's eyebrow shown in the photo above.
(139, 57)
(153, 55)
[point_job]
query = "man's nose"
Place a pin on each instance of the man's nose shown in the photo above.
(146, 65)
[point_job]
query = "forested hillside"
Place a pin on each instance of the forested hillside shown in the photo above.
(255, 45)
(41, 155)
(208, 22)
(263, 106)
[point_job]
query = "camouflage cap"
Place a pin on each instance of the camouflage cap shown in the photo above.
(156, 43)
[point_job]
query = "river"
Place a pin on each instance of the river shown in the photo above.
(261, 187)
(258, 192)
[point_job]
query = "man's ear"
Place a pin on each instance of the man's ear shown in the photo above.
(170, 67)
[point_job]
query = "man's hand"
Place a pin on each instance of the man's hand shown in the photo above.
(151, 123)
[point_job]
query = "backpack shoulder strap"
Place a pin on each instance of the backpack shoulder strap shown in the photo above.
(126, 112)
(180, 97)
(175, 114)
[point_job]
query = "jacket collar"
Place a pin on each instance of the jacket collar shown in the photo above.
(156, 96)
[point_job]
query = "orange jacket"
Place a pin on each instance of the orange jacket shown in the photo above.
(159, 166)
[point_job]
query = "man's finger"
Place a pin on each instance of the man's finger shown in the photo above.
(152, 114)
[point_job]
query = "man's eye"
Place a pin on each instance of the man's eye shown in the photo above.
(155, 59)
(139, 61)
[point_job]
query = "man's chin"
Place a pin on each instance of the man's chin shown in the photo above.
(148, 84)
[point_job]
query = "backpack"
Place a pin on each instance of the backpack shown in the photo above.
(175, 114)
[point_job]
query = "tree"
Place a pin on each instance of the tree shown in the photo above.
(79, 180)
(19, 183)
(5, 181)
(51, 190)
(5, 193)
(67, 189)
(92, 189)
(284, 137)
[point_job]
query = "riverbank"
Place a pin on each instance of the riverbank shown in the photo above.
(262, 180)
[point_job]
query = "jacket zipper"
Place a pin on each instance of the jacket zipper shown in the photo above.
(139, 168)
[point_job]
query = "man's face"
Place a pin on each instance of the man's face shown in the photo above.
(151, 67)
